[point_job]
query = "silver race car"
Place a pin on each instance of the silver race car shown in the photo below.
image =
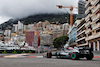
(73, 53)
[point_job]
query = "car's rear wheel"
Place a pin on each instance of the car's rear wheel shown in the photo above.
(49, 55)
(74, 56)
(90, 56)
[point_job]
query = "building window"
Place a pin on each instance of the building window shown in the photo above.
(92, 17)
(92, 25)
(92, 9)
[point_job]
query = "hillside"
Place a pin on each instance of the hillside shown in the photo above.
(40, 17)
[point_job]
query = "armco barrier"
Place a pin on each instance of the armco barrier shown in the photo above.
(17, 51)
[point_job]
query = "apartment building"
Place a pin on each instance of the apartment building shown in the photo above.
(65, 28)
(81, 35)
(32, 38)
(93, 24)
(15, 27)
(30, 26)
(18, 28)
(81, 7)
(46, 39)
(45, 24)
(72, 36)
(7, 33)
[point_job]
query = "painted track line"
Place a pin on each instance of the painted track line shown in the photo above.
(17, 55)
(34, 57)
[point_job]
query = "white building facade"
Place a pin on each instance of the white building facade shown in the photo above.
(7, 33)
(93, 24)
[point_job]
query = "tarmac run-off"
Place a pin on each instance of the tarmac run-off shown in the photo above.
(30, 55)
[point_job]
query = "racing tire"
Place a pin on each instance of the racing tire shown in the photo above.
(49, 55)
(90, 56)
(74, 56)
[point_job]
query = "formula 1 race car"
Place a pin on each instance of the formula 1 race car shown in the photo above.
(73, 53)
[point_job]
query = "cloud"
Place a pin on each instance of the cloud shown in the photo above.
(3, 19)
(23, 8)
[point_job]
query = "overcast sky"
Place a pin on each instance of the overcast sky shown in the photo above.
(23, 8)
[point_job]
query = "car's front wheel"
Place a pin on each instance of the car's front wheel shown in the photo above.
(49, 54)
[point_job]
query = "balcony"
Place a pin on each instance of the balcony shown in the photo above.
(81, 33)
(96, 18)
(95, 2)
(96, 9)
(82, 44)
(87, 31)
(97, 35)
(96, 26)
(89, 38)
(87, 24)
(80, 39)
(81, 27)
(87, 17)
(87, 4)
(88, 10)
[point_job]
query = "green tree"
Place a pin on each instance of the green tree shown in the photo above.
(60, 41)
